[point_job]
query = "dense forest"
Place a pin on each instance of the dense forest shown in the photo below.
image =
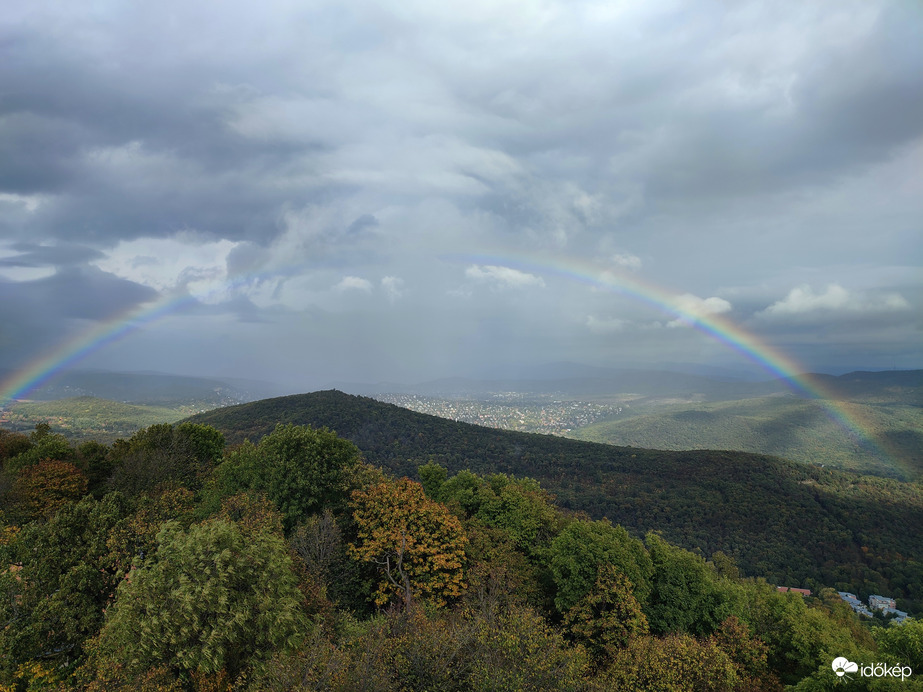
(173, 561)
(789, 427)
(793, 524)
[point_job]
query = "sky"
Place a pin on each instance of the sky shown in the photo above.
(309, 192)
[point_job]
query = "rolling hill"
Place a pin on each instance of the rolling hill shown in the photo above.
(87, 417)
(790, 427)
(793, 523)
(147, 388)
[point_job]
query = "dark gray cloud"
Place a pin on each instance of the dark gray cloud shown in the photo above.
(84, 293)
(405, 187)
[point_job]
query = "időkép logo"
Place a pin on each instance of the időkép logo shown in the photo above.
(843, 667)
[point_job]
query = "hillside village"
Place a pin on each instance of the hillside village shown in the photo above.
(882, 604)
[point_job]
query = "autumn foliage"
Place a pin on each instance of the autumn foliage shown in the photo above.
(48, 485)
(273, 576)
(418, 544)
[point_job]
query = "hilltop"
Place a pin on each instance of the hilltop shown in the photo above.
(789, 522)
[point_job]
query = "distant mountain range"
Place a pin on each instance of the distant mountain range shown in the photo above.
(149, 388)
(585, 381)
(792, 523)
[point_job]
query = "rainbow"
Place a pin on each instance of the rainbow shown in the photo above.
(71, 352)
(769, 358)
(733, 336)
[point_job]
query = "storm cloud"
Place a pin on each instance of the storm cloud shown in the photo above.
(360, 190)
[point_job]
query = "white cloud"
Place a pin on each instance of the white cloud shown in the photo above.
(350, 283)
(503, 277)
(393, 287)
(802, 300)
(169, 263)
(692, 307)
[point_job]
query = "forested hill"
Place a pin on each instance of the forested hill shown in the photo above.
(794, 524)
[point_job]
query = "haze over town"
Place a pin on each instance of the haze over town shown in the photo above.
(307, 193)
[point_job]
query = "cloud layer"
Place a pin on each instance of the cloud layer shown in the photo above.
(397, 190)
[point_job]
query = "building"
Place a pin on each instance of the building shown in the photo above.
(881, 602)
(803, 592)
(853, 601)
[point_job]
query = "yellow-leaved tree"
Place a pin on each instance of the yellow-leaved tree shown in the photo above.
(416, 542)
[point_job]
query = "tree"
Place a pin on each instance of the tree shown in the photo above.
(748, 653)
(302, 470)
(432, 477)
(608, 617)
(801, 639)
(677, 663)
(903, 642)
(12, 444)
(686, 596)
(318, 542)
(43, 488)
(211, 598)
(44, 444)
(518, 650)
(204, 442)
(416, 542)
(518, 505)
(522, 508)
(94, 460)
(252, 512)
(578, 552)
(136, 537)
(68, 575)
(165, 453)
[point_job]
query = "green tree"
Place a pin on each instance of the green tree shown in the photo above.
(578, 552)
(12, 444)
(55, 601)
(432, 478)
(801, 639)
(608, 617)
(522, 508)
(903, 642)
(44, 445)
(686, 596)
(205, 443)
(94, 460)
(212, 598)
(165, 453)
(302, 470)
